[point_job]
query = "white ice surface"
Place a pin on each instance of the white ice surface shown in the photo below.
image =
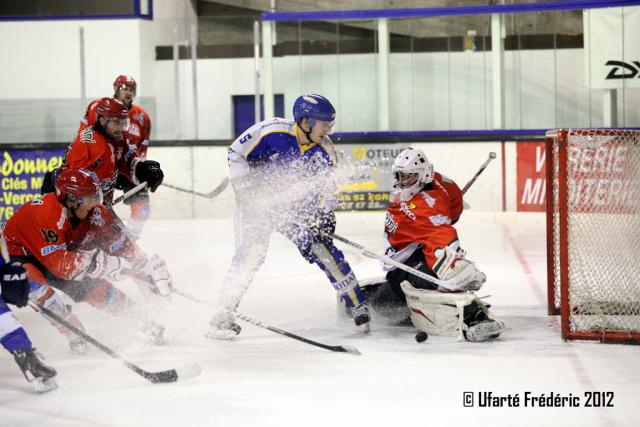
(265, 379)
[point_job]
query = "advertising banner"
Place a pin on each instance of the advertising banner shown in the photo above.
(530, 176)
(22, 174)
(612, 47)
(364, 175)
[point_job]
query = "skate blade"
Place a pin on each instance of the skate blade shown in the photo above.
(365, 328)
(221, 334)
(44, 386)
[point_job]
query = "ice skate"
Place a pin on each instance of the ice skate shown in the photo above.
(223, 326)
(41, 376)
(361, 317)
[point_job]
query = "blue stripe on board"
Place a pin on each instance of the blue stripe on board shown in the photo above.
(435, 133)
(328, 15)
(74, 17)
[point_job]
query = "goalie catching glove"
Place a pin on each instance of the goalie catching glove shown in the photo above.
(463, 274)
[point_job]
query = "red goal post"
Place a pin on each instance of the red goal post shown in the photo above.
(593, 233)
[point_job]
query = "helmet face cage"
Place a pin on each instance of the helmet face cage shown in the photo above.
(406, 179)
(412, 168)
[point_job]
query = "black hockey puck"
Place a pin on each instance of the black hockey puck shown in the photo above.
(421, 336)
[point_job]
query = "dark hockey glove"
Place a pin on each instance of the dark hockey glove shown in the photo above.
(49, 181)
(14, 284)
(149, 170)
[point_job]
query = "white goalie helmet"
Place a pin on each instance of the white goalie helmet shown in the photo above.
(412, 170)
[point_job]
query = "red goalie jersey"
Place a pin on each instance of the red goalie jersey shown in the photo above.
(426, 219)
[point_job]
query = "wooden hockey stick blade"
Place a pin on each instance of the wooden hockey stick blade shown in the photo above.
(171, 375)
(335, 348)
(210, 195)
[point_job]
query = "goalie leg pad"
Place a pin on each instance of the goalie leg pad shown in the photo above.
(442, 313)
(436, 312)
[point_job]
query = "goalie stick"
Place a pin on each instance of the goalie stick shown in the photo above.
(448, 284)
(492, 156)
(210, 195)
(335, 348)
(168, 376)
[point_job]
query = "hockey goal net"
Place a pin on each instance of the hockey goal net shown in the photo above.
(593, 233)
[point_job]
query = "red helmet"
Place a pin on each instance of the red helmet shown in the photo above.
(111, 108)
(79, 185)
(125, 81)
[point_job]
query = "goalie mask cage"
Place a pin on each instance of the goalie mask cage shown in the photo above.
(593, 233)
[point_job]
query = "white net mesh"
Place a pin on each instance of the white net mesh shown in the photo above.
(603, 229)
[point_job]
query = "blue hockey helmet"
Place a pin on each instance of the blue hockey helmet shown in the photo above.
(314, 107)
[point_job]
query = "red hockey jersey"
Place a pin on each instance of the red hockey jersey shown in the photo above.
(426, 219)
(41, 228)
(94, 151)
(139, 132)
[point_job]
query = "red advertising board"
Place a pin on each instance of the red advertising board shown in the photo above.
(531, 178)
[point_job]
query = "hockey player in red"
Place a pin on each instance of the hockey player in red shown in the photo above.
(72, 242)
(419, 233)
(101, 147)
(137, 139)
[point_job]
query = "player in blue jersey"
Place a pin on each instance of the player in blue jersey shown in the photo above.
(282, 176)
(14, 289)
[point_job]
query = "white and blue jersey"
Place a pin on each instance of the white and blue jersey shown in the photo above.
(12, 334)
(274, 142)
(286, 186)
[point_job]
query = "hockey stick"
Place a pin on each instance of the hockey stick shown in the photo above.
(168, 376)
(210, 195)
(448, 284)
(335, 348)
(130, 193)
(492, 156)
